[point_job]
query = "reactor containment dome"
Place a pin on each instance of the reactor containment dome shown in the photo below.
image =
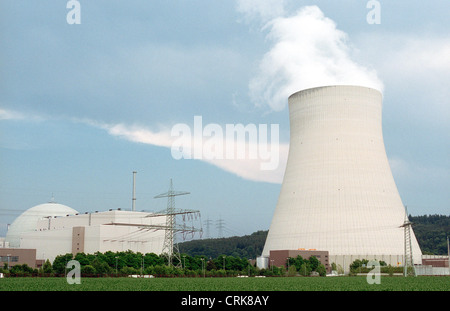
(338, 193)
(28, 220)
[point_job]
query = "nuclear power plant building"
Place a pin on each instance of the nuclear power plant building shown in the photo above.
(54, 229)
(338, 193)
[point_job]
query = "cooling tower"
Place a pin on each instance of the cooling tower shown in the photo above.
(338, 193)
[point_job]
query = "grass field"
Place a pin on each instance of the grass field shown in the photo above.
(420, 283)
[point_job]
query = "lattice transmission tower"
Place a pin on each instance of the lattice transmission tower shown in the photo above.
(220, 225)
(208, 225)
(170, 247)
(408, 265)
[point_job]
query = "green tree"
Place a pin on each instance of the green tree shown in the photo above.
(160, 270)
(314, 263)
(291, 262)
(60, 262)
(321, 270)
(101, 267)
(356, 265)
(305, 269)
(88, 270)
(47, 267)
(292, 271)
(152, 259)
(22, 270)
(210, 265)
(299, 261)
(131, 259)
(82, 258)
(128, 271)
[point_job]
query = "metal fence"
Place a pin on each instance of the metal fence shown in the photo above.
(426, 265)
(430, 270)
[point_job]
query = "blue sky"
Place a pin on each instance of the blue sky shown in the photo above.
(84, 105)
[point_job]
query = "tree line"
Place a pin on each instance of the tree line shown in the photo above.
(119, 264)
(305, 267)
(129, 263)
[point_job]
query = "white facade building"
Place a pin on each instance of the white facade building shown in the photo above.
(115, 230)
(338, 193)
(27, 221)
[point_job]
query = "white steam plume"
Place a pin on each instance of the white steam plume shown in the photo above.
(308, 51)
(261, 10)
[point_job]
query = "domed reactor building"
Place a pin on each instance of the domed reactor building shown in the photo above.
(53, 229)
(27, 221)
(338, 193)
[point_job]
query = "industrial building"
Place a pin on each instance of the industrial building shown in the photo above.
(279, 258)
(338, 193)
(19, 256)
(53, 229)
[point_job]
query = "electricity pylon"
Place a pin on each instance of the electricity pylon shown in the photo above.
(208, 224)
(220, 225)
(170, 247)
(408, 265)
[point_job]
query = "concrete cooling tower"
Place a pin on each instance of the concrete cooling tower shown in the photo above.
(338, 193)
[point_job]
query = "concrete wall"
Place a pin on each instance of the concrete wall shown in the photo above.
(48, 243)
(344, 261)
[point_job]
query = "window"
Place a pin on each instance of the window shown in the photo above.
(11, 258)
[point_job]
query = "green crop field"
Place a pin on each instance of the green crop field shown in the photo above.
(420, 283)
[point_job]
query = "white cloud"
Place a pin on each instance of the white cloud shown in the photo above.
(8, 114)
(414, 66)
(417, 57)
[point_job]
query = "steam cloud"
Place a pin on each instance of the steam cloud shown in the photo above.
(308, 51)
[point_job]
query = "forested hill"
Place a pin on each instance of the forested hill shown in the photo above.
(431, 232)
(247, 246)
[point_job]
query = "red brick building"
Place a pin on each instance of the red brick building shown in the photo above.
(19, 256)
(279, 258)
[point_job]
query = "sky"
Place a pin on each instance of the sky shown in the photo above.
(84, 104)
